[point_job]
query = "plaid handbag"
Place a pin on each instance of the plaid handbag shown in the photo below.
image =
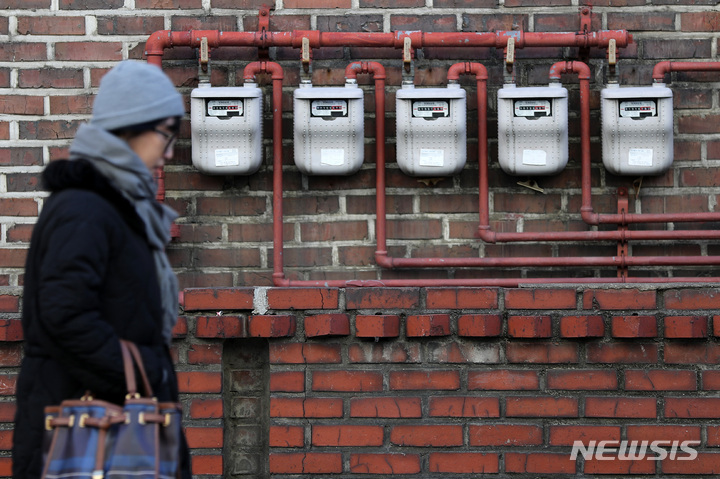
(92, 439)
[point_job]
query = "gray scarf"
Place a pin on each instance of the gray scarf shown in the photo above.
(115, 160)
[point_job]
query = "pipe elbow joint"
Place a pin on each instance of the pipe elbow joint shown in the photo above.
(382, 259)
(589, 217)
(486, 234)
(660, 70)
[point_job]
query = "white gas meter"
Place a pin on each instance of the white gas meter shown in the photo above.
(328, 129)
(533, 129)
(431, 130)
(637, 129)
(226, 124)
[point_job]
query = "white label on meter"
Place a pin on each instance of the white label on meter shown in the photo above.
(225, 108)
(329, 108)
(430, 109)
(640, 157)
(332, 156)
(534, 157)
(227, 157)
(433, 158)
(638, 108)
(532, 108)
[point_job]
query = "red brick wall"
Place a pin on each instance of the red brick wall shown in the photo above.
(420, 381)
(459, 381)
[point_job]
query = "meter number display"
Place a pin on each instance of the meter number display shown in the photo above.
(224, 108)
(329, 108)
(638, 108)
(430, 109)
(532, 108)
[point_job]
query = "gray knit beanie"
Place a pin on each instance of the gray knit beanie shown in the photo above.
(134, 93)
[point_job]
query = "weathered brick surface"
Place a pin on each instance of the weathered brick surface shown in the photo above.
(490, 380)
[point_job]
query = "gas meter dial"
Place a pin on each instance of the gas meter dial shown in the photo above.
(224, 108)
(430, 109)
(329, 108)
(532, 108)
(638, 108)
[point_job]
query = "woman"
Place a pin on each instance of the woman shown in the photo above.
(97, 271)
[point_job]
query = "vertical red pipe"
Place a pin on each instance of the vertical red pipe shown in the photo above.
(276, 71)
(378, 73)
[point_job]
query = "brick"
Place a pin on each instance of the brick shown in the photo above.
(530, 326)
(384, 353)
(339, 436)
(656, 21)
(206, 408)
(525, 352)
(327, 325)
(318, 4)
(23, 52)
(710, 380)
(503, 380)
(304, 353)
(634, 327)
(582, 327)
(21, 105)
(479, 325)
(129, 25)
(539, 463)
(541, 407)
(462, 298)
(622, 352)
(704, 463)
(55, 25)
(663, 433)
(197, 299)
(687, 48)
(458, 352)
(660, 380)
(386, 407)
(699, 22)
(207, 464)
(464, 407)
(619, 299)
(204, 437)
(199, 382)
(9, 304)
(302, 298)
(540, 299)
(567, 435)
(18, 207)
(692, 408)
(448, 380)
(220, 327)
(618, 466)
(463, 463)
(306, 407)
(310, 463)
(389, 464)
(88, 51)
(691, 353)
(286, 436)
(716, 325)
(505, 435)
(347, 381)
(428, 325)
(265, 326)
(382, 298)
(287, 381)
(713, 436)
(205, 354)
(686, 326)
(618, 407)
(592, 380)
(379, 326)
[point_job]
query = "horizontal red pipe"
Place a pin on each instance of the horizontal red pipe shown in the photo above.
(666, 67)
(162, 39)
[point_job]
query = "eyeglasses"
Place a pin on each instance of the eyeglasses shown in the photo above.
(171, 137)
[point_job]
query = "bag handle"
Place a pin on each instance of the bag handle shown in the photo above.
(131, 359)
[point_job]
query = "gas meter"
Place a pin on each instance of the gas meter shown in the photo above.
(637, 129)
(532, 129)
(226, 124)
(328, 129)
(431, 130)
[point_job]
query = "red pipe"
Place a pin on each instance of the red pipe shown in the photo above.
(666, 67)
(378, 73)
(162, 39)
(276, 72)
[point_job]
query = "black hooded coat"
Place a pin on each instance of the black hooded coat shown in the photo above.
(90, 280)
